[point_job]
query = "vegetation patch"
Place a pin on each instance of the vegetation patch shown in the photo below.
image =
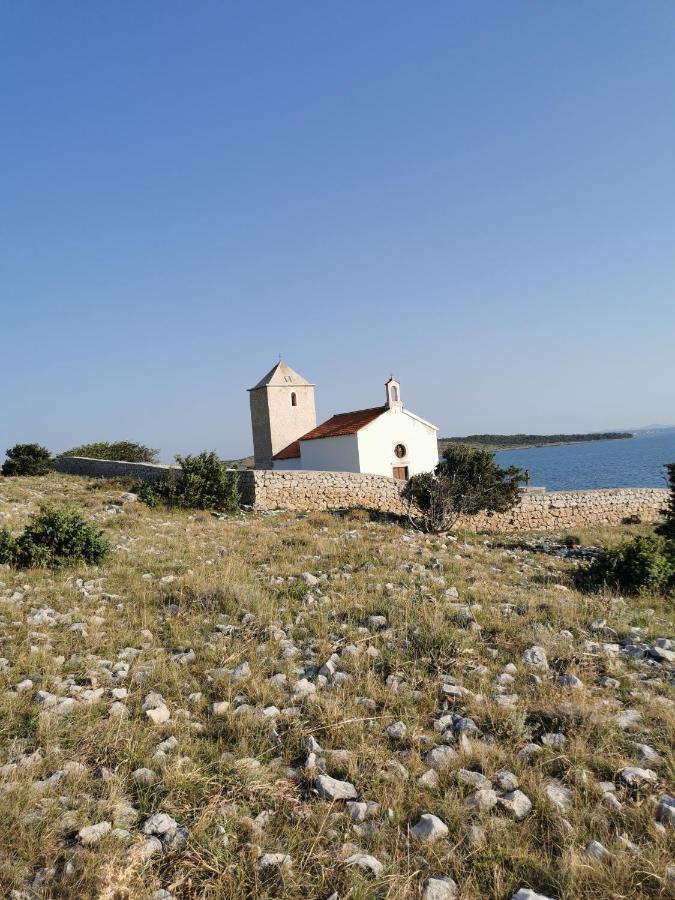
(27, 459)
(287, 706)
(465, 482)
(644, 565)
(202, 482)
(120, 451)
(54, 538)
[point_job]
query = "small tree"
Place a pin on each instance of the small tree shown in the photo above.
(466, 481)
(27, 459)
(203, 482)
(667, 528)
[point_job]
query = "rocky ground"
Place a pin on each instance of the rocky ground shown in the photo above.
(288, 706)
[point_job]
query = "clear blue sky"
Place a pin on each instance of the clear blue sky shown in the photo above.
(476, 196)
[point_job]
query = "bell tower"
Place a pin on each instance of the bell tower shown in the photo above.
(393, 394)
(282, 410)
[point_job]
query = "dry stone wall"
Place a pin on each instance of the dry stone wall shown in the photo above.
(326, 490)
(266, 490)
(574, 509)
(110, 468)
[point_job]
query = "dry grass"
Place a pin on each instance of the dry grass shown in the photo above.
(239, 782)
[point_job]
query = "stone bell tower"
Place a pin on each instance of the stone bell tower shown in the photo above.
(282, 410)
(393, 388)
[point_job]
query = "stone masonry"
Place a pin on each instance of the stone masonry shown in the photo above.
(267, 490)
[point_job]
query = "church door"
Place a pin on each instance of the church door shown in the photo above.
(401, 473)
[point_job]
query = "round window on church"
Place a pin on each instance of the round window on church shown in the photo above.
(400, 450)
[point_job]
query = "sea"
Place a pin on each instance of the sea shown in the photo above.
(629, 462)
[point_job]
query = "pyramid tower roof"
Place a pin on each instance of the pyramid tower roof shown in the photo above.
(281, 375)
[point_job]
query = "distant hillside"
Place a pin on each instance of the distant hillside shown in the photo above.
(518, 441)
(246, 462)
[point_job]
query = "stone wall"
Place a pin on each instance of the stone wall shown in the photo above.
(110, 468)
(326, 490)
(266, 490)
(574, 509)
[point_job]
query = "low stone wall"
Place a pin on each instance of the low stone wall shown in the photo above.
(574, 509)
(266, 490)
(110, 468)
(326, 490)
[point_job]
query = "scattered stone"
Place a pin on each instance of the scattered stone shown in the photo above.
(481, 801)
(506, 781)
(144, 777)
(475, 779)
(440, 757)
(273, 861)
(92, 834)
(528, 894)
(535, 658)
(159, 824)
(429, 779)
(595, 850)
(559, 795)
(633, 776)
(397, 731)
(158, 715)
(332, 789)
(628, 718)
(517, 803)
(665, 810)
(367, 863)
(429, 828)
(439, 889)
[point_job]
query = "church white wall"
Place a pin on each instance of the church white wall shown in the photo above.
(377, 441)
(336, 454)
(286, 465)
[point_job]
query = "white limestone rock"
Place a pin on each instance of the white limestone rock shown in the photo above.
(429, 828)
(333, 789)
(535, 657)
(517, 803)
(442, 888)
(92, 834)
(366, 863)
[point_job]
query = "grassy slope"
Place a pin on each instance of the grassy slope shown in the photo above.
(226, 772)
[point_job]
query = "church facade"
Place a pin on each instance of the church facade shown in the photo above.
(382, 440)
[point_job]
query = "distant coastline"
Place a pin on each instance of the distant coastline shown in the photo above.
(526, 441)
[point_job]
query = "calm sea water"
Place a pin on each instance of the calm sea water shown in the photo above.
(635, 462)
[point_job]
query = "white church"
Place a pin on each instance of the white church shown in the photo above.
(385, 440)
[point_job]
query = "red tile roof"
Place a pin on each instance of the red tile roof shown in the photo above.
(290, 452)
(337, 426)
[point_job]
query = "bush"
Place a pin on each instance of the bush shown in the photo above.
(54, 538)
(27, 459)
(643, 565)
(122, 451)
(668, 527)
(7, 547)
(203, 482)
(466, 481)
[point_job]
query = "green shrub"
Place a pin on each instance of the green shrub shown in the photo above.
(203, 482)
(122, 451)
(54, 538)
(7, 547)
(643, 565)
(668, 527)
(466, 481)
(27, 459)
